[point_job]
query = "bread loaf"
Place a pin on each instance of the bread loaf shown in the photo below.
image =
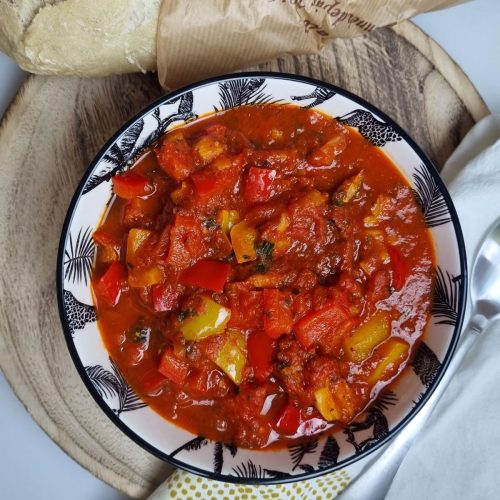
(80, 37)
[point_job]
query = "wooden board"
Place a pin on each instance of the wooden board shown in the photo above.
(49, 135)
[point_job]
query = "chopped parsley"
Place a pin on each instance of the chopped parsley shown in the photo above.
(209, 223)
(142, 335)
(265, 250)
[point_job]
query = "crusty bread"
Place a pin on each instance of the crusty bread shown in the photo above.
(80, 37)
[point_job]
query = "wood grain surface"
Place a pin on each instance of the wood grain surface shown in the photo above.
(52, 131)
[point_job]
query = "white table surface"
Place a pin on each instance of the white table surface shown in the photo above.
(31, 465)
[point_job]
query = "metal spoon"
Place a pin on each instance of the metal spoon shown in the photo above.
(375, 481)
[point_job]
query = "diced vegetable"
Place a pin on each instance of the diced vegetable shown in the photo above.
(313, 198)
(360, 344)
(337, 402)
(209, 274)
(173, 368)
(380, 210)
(283, 223)
(176, 158)
(232, 357)
(181, 193)
(145, 276)
(217, 130)
(259, 184)
(278, 312)
(288, 420)
(211, 319)
(346, 399)
(325, 154)
(130, 185)
(315, 324)
(205, 182)
(227, 219)
(246, 310)
(223, 162)
(389, 357)
(399, 268)
(164, 297)
(109, 249)
(260, 354)
(349, 188)
(135, 239)
(270, 279)
(152, 382)
(186, 241)
(243, 239)
(111, 284)
(377, 255)
(326, 404)
(208, 148)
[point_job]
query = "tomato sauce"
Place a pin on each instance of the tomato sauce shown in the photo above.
(262, 274)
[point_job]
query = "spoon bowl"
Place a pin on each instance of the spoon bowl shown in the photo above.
(485, 279)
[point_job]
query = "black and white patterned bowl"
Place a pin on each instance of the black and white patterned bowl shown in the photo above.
(195, 453)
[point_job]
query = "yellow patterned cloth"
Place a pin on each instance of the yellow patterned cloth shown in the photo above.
(185, 486)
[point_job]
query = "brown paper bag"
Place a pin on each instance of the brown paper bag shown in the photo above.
(202, 38)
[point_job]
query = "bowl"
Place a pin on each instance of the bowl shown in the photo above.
(195, 453)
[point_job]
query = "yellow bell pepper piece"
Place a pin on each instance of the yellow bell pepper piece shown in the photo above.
(378, 211)
(209, 148)
(268, 280)
(349, 188)
(232, 357)
(360, 343)
(227, 219)
(140, 276)
(211, 320)
(243, 239)
(283, 223)
(326, 404)
(136, 238)
(393, 352)
(337, 402)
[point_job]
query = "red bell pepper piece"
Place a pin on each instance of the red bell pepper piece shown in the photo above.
(399, 269)
(259, 184)
(288, 420)
(205, 182)
(315, 324)
(246, 310)
(111, 284)
(209, 274)
(278, 312)
(218, 131)
(152, 382)
(164, 297)
(173, 368)
(131, 185)
(260, 349)
(186, 241)
(176, 158)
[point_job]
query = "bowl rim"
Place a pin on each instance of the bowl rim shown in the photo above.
(462, 290)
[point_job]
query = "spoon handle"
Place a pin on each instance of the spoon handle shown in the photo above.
(375, 481)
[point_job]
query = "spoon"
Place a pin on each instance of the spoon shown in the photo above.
(376, 480)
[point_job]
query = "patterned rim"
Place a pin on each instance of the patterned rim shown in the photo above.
(458, 283)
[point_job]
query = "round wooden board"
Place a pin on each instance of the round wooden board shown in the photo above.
(52, 131)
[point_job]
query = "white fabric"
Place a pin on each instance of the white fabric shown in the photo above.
(458, 455)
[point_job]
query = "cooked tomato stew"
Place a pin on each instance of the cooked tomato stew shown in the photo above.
(262, 274)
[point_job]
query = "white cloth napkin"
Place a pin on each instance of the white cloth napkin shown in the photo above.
(458, 454)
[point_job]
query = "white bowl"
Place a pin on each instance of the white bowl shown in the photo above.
(194, 453)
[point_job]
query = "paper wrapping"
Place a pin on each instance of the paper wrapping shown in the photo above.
(197, 39)
(184, 39)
